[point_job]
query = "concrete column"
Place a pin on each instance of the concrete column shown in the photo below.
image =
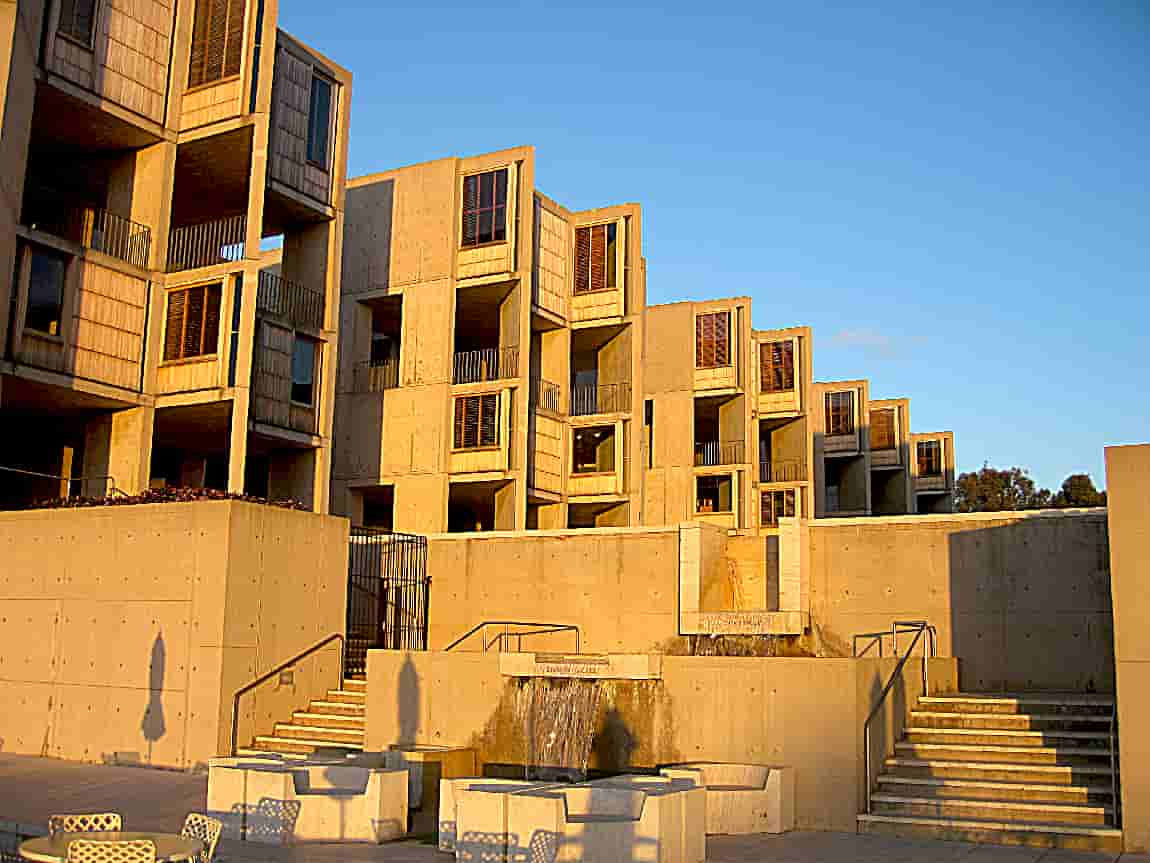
(119, 445)
(238, 438)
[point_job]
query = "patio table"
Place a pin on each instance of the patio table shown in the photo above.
(54, 849)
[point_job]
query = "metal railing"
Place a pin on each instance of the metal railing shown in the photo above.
(220, 241)
(588, 399)
(375, 376)
(545, 396)
(91, 227)
(108, 481)
(782, 470)
(712, 453)
(292, 302)
(488, 364)
(1115, 797)
(505, 637)
(283, 666)
(918, 627)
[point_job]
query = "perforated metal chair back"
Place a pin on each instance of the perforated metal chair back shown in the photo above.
(207, 830)
(94, 851)
(84, 823)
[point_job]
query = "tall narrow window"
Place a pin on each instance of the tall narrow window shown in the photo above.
(840, 413)
(319, 121)
(929, 453)
(45, 292)
(192, 327)
(596, 253)
(78, 20)
(485, 208)
(777, 366)
(713, 340)
(303, 363)
(217, 41)
(882, 429)
(476, 421)
(649, 428)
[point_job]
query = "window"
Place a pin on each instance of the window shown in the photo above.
(649, 428)
(776, 505)
(45, 292)
(485, 208)
(882, 429)
(319, 121)
(595, 258)
(713, 494)
(78, 19)
(777, 366)
(303, 367)
(217, 41)
(712, 340)
(841, 413)
(929, 454)
(593, 450)
(192, 328)
(476, 421)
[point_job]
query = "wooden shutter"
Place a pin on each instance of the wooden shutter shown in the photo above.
(211, 335)
(882, 429)
(777, 366)
(470, 210)
(174, 325)
(489, 420)
(722, 338)
(712, 340)
(217, 41)
(193, 323)
(235, 38)
(599, 258)
(582, 260)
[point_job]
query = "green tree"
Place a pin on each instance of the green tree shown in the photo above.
(1078, 490)
(994, 490)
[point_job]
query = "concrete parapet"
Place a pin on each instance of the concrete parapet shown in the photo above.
(743, 798)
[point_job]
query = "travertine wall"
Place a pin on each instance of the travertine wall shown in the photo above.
(129, 629)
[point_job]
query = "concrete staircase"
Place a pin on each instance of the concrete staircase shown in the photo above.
(336, 720)
(1027, 769)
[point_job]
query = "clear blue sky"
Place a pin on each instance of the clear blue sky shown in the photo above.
(957, 201)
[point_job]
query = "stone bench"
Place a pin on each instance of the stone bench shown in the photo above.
(477, 808)
(742, 798)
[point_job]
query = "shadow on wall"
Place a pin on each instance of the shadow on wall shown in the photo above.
(152, 726)
(1030, 605)
(408, 706)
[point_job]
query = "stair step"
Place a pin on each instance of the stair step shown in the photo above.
(1011, 721)
(1062, 755)
(272, 743)
(1018, 703)
(1034, 835)
(343, 708)
(1044, 774)
(991, 810)
(328, 720)
(968, 789)
(347, 696)
(318, 732)
(354, 684)
(1010, 737)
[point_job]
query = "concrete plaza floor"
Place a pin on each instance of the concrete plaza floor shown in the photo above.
(33, 788)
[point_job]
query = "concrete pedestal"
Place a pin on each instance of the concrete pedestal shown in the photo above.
(743, 798)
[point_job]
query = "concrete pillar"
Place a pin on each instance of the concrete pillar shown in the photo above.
(238, 436)
(119, 445)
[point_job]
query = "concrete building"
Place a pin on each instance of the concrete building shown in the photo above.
(149, 150)
(933, 471)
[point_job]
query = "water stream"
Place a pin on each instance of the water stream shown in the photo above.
(559, 718)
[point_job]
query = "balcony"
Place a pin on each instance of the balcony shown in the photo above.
(290, 302)
(90, 227)
(488, 364)
(545, 396)
(783, 470)
(714, 453)
(205, 244)
(591, 399)
(375, 376)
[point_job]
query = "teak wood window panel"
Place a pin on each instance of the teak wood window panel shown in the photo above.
(882, 429)
(192, 323)
(217, 41)
(713, 340)
(596, 258)
(840, 408)
(929, 457)
(78, 20)
(476, 424)
(484, 208)
(777, 366)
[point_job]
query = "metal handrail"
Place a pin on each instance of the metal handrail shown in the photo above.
(112, 489)
(896, 627)
(547, 628)
(919, 627)
(1115, 799)
(283, 666)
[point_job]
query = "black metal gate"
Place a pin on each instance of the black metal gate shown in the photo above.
(387, 592)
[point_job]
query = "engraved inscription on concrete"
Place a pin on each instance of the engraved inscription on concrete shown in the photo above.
(588, 666)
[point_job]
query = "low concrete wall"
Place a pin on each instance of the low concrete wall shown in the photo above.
(1128, 494)
(1023, 599)
(126, 630)
(805, 713)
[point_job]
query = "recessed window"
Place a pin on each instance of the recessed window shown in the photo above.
(713, 340)
(192, 327)
(882, 429)
(485, 208)
(714, 494)
(217, 41)
(319, 121)
(78, 20)
(476, 423)
(929, 453)
(776, 505)
(777, 366)
(303, 366)
(45, 292)
(595, 258)
(593, 450)
(840, 413)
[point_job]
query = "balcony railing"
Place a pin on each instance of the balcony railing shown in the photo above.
(545, 396)
(488, 364)
(220, 241)
(90, 227)
(292, 302)
(712, 453)
(782, 470)
(588, 399)
(375, 376)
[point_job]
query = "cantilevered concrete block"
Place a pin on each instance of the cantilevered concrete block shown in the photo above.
(743, 798)
(685, 795)
(473, 816)
(426, 766)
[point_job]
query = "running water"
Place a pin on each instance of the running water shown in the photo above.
(559, 717)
